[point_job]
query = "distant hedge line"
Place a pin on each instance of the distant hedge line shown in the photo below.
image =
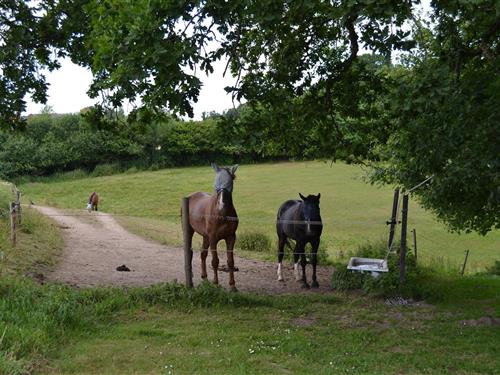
(54, 143)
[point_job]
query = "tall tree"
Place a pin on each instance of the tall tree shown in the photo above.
(446, 116)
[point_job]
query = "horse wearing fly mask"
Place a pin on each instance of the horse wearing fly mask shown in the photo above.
(213, 216)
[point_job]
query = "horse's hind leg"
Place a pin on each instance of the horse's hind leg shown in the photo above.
(315, 246)
(281, 254)
(204, 253)
(230, 261)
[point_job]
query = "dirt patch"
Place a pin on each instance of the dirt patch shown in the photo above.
(303, 321)
(95, 244)
(481, 322)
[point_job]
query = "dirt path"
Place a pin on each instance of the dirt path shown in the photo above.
(95, 244)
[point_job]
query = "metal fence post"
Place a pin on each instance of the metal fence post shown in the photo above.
(465, 261)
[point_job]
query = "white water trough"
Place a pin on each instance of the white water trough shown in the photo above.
(375, 266)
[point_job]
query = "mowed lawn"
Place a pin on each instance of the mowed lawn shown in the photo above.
(353, 211)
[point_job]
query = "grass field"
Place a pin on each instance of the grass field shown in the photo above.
(353, 211)
(167, 329)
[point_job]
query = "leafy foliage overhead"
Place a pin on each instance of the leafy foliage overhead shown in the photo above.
(153, 49)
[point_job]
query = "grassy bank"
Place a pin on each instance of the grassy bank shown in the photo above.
(39, 242)
(353, 211)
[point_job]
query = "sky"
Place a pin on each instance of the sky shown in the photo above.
(68, 86)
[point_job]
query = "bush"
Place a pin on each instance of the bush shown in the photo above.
(345, 280)
(494, 269)
(254, 241)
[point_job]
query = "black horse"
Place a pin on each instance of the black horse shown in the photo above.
(299, 220)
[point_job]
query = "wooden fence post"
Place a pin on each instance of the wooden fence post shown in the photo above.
(188, 251)
(415, 244)
(13, 221)
(18, 206)
(402, 252)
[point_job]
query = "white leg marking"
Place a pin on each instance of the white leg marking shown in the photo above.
(280, 274)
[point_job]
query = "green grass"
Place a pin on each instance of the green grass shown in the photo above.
(58, 330)
(353, 211)
(323, 339)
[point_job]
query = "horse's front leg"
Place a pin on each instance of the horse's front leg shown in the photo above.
(204, 253)
(296, 257)
(215, 259)
(303, 262)
(315, 246)
(230, 261)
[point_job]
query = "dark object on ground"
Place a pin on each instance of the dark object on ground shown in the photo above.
(123, 267)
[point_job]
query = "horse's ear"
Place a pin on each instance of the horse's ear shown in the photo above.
(234, 168)
(319, 196)
(215, 167)
(302, 197)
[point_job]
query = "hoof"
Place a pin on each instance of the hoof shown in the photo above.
(233, 289)
(204, 277)
(281, 280)
(305, 286)
(315, 284)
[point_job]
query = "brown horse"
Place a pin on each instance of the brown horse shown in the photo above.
(213, 217)
(93, 201)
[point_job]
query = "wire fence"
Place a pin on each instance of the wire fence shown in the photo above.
(178, 216)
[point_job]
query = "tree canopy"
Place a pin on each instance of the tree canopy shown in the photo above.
(303, 68)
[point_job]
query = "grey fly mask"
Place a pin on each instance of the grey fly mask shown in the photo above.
(224, 177)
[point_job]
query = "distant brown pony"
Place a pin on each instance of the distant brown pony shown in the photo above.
(93, 201)
(213, 216)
